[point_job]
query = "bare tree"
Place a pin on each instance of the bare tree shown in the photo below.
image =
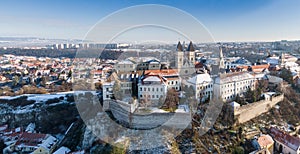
(171, 101)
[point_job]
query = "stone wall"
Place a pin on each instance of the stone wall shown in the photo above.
(149, 120)
(250, 111)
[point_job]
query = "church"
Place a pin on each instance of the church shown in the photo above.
(185, 59)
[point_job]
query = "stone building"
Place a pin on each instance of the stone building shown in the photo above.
(185, 59)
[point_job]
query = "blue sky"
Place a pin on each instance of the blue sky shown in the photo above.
(227, 20)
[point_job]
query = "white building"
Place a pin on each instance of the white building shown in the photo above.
(203, 86)
(285, 143)
(227, 86)
(152, 88)
(156, 83)
(170, 76)
(233, 62)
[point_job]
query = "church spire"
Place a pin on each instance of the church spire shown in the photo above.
(222, 63)
(179, 47)
(221, 52)
(282, 57)
(191, 47)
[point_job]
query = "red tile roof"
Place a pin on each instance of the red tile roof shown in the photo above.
(164, 72)
(30, 139)
(265, 140)
(199, 65)
(255, 68)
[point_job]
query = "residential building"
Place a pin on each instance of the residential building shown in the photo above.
(125, 66)
(147, 63)
(47, 146)
(266, 142)
(36, 143)
(263, 145)
(285, 143)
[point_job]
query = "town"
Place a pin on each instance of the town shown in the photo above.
(46, 101)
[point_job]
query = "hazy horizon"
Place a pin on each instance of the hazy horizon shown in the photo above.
(226, 20)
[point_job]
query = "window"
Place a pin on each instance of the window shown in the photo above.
(141, 89)
(141, 96)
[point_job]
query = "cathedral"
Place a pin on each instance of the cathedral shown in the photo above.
(185, 59)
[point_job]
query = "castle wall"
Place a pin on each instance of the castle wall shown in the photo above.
(151, 120)
(250, 111)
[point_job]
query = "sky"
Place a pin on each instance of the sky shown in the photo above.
(225, 20)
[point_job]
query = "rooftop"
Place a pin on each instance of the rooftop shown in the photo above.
(284, 138)
(265, 140)
(30, 139)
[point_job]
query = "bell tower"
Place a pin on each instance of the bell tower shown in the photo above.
(179, 56)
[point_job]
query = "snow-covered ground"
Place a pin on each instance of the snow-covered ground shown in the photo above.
(45, 97)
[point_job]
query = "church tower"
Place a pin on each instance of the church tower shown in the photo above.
(221, 57)
(191, 53)
(281, 60)
(179, 56)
